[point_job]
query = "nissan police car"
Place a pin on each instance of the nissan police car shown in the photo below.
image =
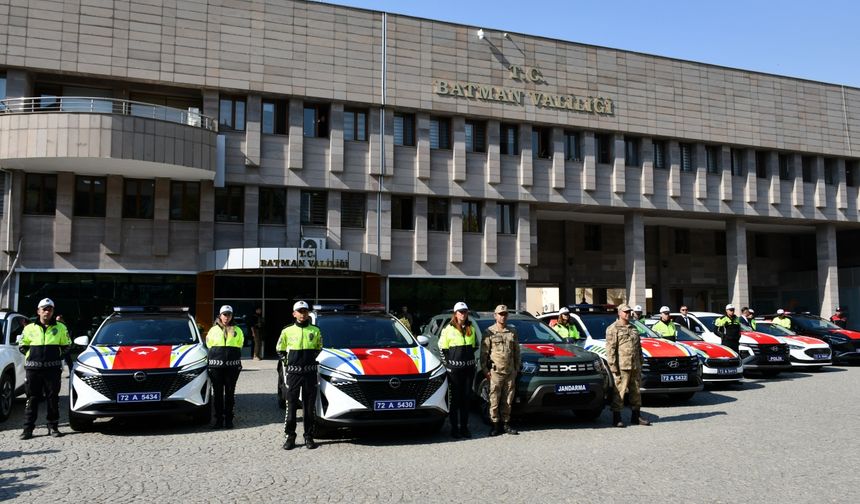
(720, 363)
(667, 367)
(759, 352)
(140, 361)
(844, 343)
(373, 371)
(805, 351)
(554, 376)
(11, 361)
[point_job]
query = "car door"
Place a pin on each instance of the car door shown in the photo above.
(16, 324)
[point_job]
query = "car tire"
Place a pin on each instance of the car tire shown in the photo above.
(484, 400)
(282, 392)
(202, 415)
(80, 423)
(7, 395)
(589, 415)
(683, 396)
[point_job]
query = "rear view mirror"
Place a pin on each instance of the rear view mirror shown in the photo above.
(81, 341)
(423, 340)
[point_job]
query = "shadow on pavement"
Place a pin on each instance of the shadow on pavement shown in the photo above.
(682, 417)
(14, 482)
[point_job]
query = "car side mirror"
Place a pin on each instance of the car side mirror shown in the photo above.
(81, 341)
(422, 328)
(423, 340)
(698, 329)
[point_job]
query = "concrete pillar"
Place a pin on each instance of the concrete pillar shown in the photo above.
(371, 242)
(420, 244)
(490, 232)
(250, 230)
(647, 182)
(113, 214)
(206, 228)
(422, 140)
(296, 138)
(634, 258)
(458, 145)
(388, 143)
(161, 217)
(253, 130)
(841, 185)
(333, 228)
(526, 155)
(211, 104)
(775, 190)
(455, 245)
(619, 165)
(828, 274)
(820, 184)
(568, 285)
(752, 179)
(374, 138)
(526, 234)
(796, 163)
(294, 218)
(63, 212)
(494, 164)
(385, 227)
(674, 174)
(335, 138)
(726, 173)
(736, 258)
(589, 162)
(557, 158)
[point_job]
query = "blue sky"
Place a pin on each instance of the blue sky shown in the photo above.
(816, 40)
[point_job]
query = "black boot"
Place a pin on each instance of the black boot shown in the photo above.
(510, 430)
(218, 423)
(228, 423)
(496, 429)
(636, 418)
(616, 419)
(310, 444)
(290, 442)
(53, 431)
(27, 434)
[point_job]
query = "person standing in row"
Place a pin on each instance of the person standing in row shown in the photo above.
(568, 331)
(665, 327)
(624, 354)
(638, 314)
(225, 341)
(840, 318)
(500, 362)
(458, 343)
(44, 343)
(748, 317)
(729, 328)
(298, 347)
(257, 324)
(781, 319)
(684, 318)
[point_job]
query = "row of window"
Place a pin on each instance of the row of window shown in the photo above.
(40, 198)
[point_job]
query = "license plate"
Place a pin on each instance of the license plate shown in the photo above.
(139, 397)
(405, 404)
(775, 358)
(727, 370)
(672, 378)
(822, 356)
(571, 388)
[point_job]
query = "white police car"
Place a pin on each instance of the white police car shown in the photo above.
(11, 361)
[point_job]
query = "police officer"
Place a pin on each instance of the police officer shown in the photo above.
(458, 343)
(748, 317)
(781, 319)
(44, 343)
(624, 353)
(225, 342)
(637, 312)
(500, 361)
(665, 327)
(729, 328)
(298, 347)
(568, 332)
(840, 318)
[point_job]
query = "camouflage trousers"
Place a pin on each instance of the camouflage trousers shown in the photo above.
(502, 389)
(627, 381)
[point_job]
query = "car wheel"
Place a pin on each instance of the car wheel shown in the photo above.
(682, 397)
(282, 394)
(202, 415)
(484, 400)
(80, 423)
(589, 415)
(7, 395)
(323, 431)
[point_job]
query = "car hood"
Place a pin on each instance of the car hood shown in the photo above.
(554, 352)
(379, 361)
(651, 347)
(710, 350)
(845, 332)
(124, 357)
(757, 338)
(803, 340)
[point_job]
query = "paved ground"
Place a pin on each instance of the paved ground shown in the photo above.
(793, 439)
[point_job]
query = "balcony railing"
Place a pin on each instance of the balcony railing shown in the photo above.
(97, 105)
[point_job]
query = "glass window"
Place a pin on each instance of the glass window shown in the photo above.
(761, 245)
(682, 241)
(472, 216)
(353, 207)
(230, 203)
(541, 143)
(402, 216)
(90, 197)
(185, 201)
(851, 173)
(761, 164)
(784, 167)
(686, 157)
(314, 208)
(631, 151)
(829, 171)
(808, 168)
(138, 199)
(659, 154)
(2, 90)
(593, 239)
(506, 218)
(603, 145)
(275, 114)
(273, 205)
(712, 158)
(316, 120)
(40, 194)
(720, 243)
(476, 136)
(572, 150)
(355, 125)
(437, 214)
(404, 129)
(737, 162)
(509, 139)
(440, 133)
(231, 113)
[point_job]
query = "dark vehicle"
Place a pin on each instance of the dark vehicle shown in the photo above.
(555, 376)
(844, 343)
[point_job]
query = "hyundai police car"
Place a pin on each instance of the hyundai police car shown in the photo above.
(140, 361)
(11, 361)
(805, 351)
(372, 371)
(719, 363)
(844, 343)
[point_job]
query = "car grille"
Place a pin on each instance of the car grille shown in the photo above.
(168, 383)
(813, 352)
(768, 349)
(369, 390)
(571, 369)
(670, 365)
(722, 363)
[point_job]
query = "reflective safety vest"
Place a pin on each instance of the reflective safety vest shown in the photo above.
(782, 321)
(225, 346)
(458, 348)
(566, 331)
(301, 345)
(666, 329)
(44, 346)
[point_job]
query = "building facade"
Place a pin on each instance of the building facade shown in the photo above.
(258, 152)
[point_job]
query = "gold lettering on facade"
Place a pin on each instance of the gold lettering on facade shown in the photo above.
(471, 91)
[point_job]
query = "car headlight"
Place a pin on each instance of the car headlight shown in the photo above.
(795, 347)
(82, 369)
(528, 367)
(438, 372)
(193, 365)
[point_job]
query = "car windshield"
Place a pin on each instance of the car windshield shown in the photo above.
(773, 329)
(146, 331)
(681, 332)
(813, 323)
(362, 331)
(528, 330)
(709, 322)
(597, 324)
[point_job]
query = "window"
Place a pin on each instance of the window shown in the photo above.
(631, 151)
(315, 120)
(541, 142)
(737, 162)
(572, 150)
(472, 216)
(138, 196)
(807, 167)
(686, 157)
(402, 216)
(90, 196)
(275, 117)
(231, 113)
(476, 136)
(603, 145)
(761, 164)
(355, 125)
(404, 129)
(437, 214)
(720, 243)
(352, 209)
(185, 201)
(761, 246)
(593, 240)
(659, 154)
(851, 173)
(682, 241)
(712, 158)
(273, 205)
(784, 167)
(440, 133)
(829, 171)
(509, 135)
(2, 90)
(40, 194)
(314, 207)
(506, 218)
(230, 204)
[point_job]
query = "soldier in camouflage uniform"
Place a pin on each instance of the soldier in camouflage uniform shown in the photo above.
(624, 354)
(500, 361)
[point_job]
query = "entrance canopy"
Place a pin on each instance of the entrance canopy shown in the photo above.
(281, 258)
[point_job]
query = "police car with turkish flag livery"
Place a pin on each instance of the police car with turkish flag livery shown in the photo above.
(805, 351)
(140, 361)
(720, 364)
